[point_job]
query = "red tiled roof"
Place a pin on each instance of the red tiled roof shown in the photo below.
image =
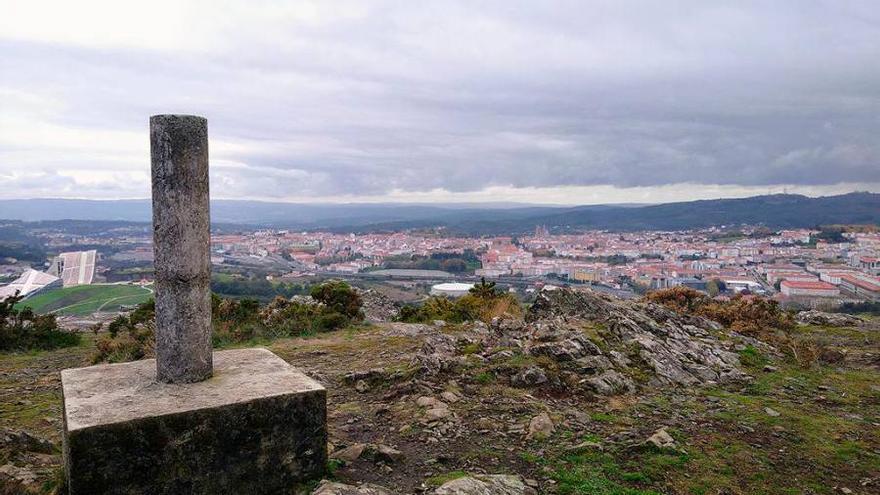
(869, 284)
(807, 284)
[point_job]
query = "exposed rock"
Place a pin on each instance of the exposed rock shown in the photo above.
(450, 397)
(377, 307)
(383, 453)
(669, 348)
(570, 348)
(11, 475)
(599, 343)
(540, 427)
(350, 453)
(438, 353)
(22, 441)
(436, 414)
(822, 318)
(529, 377)
(368, 375)
(591, 365)
(371, 451)
(497, 484)
(610, 383)
(661, 439)
(431, 402)
(333, 488)
(771, 412)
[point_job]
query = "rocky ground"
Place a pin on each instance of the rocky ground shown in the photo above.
(588, 395)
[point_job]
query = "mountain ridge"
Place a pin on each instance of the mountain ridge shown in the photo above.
(778, 210)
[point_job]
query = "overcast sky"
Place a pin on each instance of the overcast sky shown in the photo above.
(540, 101)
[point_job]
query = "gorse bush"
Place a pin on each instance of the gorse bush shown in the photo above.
(128, 343)
(238, 320)
(748, 315)
(22, 330)
(681, 299)
(753, 316)
(483, 303)
(340, 298)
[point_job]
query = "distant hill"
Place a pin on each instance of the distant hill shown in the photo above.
(779, 210)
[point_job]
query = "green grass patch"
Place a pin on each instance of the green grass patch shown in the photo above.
(484, 377)
(752, 358)
(598, 473)
(441, 479)
(84, 300)
(603, 417)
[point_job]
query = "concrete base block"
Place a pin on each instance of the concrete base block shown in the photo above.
(257, 426)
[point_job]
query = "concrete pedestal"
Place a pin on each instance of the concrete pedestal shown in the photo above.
(257, 426)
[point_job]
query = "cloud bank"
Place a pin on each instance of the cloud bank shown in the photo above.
(553, 102)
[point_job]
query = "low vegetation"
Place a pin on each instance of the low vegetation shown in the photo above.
(756, 317)
(334, 305)
(483, 303)
(23, 330)
(857, 308)
(748, 315)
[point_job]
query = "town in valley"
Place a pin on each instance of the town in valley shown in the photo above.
(799, 268)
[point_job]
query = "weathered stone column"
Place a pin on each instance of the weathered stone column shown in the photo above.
(181, 247)
(258, 426)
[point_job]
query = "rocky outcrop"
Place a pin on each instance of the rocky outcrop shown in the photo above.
(486, 484)
(333, 488)
(822, 318)
(22, 441)
(377, 307)
(496, 484)
(596, 342)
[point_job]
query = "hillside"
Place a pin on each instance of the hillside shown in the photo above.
(780, 210)
(86, 299)
(587, 395)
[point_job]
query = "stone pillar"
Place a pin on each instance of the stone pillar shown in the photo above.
(258, 426)
(181, 247)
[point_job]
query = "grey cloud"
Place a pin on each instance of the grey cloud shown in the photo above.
(462, 96)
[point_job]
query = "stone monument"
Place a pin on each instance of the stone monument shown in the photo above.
(181, 247)
(190, 421)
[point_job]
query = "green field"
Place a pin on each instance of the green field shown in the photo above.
(86, 299)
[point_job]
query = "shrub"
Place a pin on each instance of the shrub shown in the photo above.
(471, 307)
(751, 316)
(138, 342)
(681, 299)
(863, 307)
(235, 321)
(340, 298)
(22, 330)
(484, 290)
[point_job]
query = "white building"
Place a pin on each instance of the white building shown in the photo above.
(808, 288)
(451, 289)
(75, 268)
(30, 282)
